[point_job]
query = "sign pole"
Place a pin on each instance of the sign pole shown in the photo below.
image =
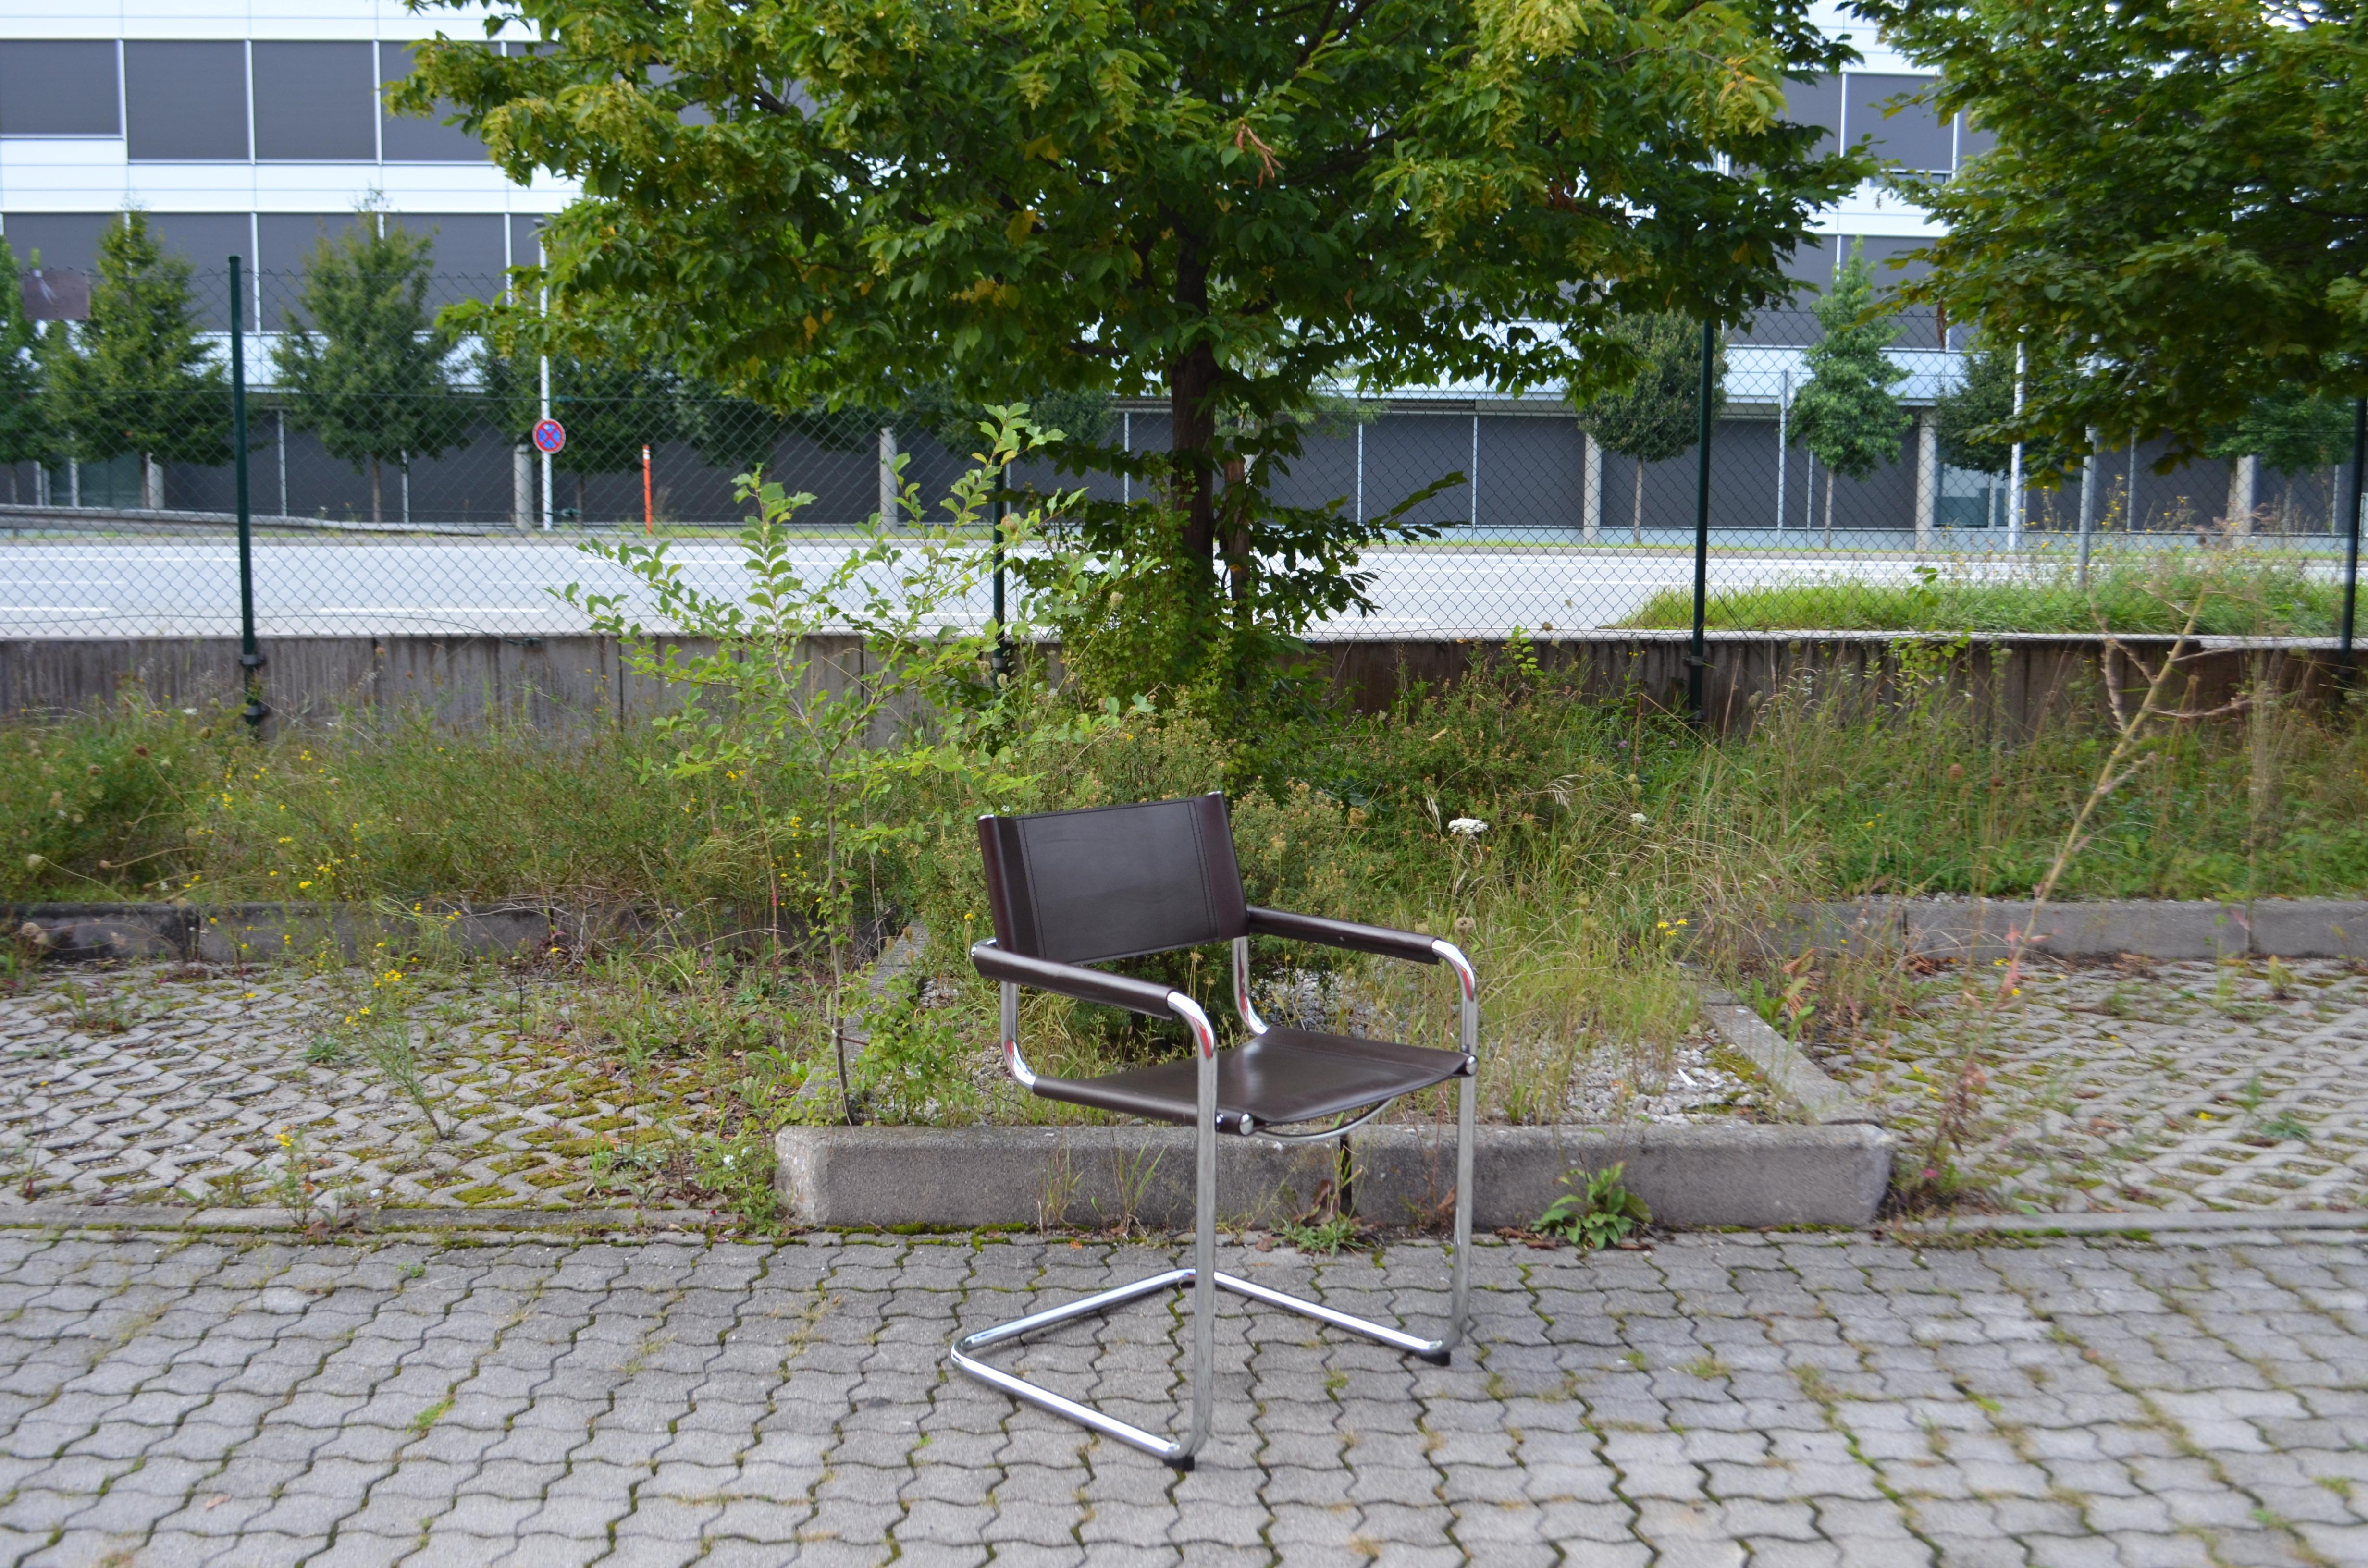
(250, 658)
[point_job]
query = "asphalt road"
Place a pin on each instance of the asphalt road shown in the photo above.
(115, 588)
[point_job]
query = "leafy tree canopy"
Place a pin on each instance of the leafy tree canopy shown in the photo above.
(365, 366)
(1846, 416)
(2175, 215)
(1232, 203)
(137, 377)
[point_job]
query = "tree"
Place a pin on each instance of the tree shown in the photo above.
(363, 362)
(1846, 416)
(24, 436)
(1658, 414)
(137, 377)
(2177, 205)
(2294, 432)
(1228, 203)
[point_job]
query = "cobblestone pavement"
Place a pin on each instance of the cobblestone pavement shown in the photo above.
(2136, 1087)
(1718, 1400)
(173, 1083)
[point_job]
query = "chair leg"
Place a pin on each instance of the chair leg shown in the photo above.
(1205, 1281)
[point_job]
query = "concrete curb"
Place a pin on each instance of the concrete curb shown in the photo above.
(1783, 1064)
(2169, 1222)
(2153, 928)
(1730, 1174)
(376, 1221)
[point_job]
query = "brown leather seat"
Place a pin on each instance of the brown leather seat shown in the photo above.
(1282, 1076)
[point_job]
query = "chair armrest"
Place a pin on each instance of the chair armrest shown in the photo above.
(1073, 980)
(1347, 934)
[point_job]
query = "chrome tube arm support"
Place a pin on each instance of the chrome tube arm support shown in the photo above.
(1011, 1057)
(1467, 1096)
(1242, 1004)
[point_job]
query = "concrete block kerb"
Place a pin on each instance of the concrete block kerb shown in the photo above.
(1731, 1173)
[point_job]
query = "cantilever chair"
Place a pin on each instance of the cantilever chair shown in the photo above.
(1068, 889)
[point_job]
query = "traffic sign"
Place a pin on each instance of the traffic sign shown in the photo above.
(550, 435)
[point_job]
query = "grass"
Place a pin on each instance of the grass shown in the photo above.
(1621, 847)
(2134, 591)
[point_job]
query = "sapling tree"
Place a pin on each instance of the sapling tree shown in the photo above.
(1846, 416)
(2293, 431)
(1658, 416)
(779, 734)
(24, 436)
(365, 367)
(137, 377)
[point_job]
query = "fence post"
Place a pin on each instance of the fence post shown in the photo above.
(1927, 478)
(2088, 506)
(2352, 546)
(1694, 660)
(250, 659)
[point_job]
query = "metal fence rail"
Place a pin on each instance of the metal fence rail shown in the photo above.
(405, 509)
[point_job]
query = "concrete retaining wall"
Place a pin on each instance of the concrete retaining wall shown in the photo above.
(571, 681)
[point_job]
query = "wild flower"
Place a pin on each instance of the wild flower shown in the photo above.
(1467, 827)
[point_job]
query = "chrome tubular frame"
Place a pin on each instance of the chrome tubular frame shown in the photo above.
(1202, 1277)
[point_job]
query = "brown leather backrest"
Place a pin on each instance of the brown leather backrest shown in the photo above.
(1113, 881)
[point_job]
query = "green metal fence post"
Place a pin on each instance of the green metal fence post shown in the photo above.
(2352, 547)
(250, 658)
(1695, 661)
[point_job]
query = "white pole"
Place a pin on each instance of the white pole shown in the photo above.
(887, 477)
(1928, 478)
(1591, 500)
(1783, 437)
(406, 490)
(2014, 465)
(1360, 470)
(1475, 483)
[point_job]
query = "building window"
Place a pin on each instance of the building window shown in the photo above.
(184, 101)
(316, 102)
(406, 140)
(59, 88)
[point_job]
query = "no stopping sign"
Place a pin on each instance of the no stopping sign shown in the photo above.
(550, 435)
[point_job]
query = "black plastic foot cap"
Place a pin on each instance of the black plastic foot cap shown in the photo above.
(1182, 1466)
(1437, 1357)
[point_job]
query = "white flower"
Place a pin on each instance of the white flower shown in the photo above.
(1639, 818)
(1467, 827)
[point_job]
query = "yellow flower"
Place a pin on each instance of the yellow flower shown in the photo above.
(301, 886)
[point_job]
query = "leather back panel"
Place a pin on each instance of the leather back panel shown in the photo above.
(1113, 881)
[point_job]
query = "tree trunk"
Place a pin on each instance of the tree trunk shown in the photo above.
(1192, 420)
(378, 513)
(1238, 542)
(1829, 505)
(1636, 512)
(579, 499)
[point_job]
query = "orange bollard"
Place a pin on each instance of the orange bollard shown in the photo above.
(649, 513)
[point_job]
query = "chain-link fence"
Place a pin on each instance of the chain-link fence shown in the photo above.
(395, 484)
